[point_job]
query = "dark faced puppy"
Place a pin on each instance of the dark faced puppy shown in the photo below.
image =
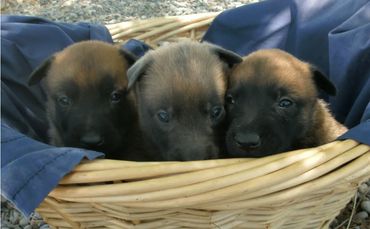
(180, 92)
(273, 106)
(87, 101)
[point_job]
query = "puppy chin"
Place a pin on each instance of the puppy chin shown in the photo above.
(207, 153)
(109, 148)
(234, 150)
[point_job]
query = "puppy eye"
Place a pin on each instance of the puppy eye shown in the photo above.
(285, 103)
(115, 97)
(230, 99)
(217, 112)
(64, 101)
(163, 116)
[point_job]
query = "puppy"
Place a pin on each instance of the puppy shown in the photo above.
(88, 105)
(180, 91)
(273, 106)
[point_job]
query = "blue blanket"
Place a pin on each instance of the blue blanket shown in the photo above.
(333, 35)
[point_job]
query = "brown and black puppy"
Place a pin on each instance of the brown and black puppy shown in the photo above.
(180, 91)
(87, 101)
(273, 106)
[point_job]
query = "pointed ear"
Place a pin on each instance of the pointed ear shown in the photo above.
(40, 72)
(138, 69)
(225, 55)
(322, 82)
(129, 56)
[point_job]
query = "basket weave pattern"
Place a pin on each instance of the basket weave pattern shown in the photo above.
(165, 29)
(299, 189)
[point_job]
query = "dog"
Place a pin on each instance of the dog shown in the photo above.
(88, 105)
(180, 91)
(273, 106)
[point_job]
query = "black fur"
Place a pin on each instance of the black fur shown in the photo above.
(257, 125)
(40, 72)
(323, 83)
(91, 114)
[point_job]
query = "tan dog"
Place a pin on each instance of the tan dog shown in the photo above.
(273, 106)
(180, 92)
(88, 105)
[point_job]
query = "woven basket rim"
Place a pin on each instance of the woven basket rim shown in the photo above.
(159, 180)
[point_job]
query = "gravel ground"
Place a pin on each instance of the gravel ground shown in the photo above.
(112, 11)
(11, 218)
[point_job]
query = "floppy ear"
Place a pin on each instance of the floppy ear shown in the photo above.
(137, 70)
(322, 82)
(129, 56)
(40, 72)
(225, 55)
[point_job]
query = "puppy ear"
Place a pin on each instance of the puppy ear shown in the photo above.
(40, 72)
(225, 55)
(137, 70)
(322, 82)
(129, 56)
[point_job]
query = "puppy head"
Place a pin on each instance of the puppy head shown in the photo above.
(270, 103)
(88, 105)
(180, 92)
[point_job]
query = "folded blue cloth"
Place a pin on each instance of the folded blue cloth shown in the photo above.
(331, 34)
(31, 169)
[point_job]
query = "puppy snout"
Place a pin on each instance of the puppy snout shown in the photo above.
(248, 140)
(92, 139)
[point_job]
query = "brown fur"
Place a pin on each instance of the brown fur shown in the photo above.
(186, 80)
(168, 78)
(270, 73)
(275, 67)
(324, 128)
(88, 73)
(83, 63)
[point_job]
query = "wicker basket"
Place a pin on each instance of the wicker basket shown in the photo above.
(300, 189)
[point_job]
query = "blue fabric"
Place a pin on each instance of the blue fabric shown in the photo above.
(31, 169)
(136, 47)
(332, 35)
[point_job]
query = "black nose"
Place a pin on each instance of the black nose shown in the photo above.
(92, 139)
(248, 140)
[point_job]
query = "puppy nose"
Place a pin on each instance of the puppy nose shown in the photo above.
(249, 140)
(92, 139)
